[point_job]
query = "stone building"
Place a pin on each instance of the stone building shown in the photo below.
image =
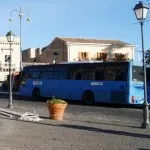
(80, 49)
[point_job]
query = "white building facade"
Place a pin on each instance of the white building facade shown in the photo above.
(5, 55)
(79, 49)
(91, 51)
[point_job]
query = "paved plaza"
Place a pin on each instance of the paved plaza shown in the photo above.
(78, 131)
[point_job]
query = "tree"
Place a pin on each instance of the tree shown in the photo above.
(147, 57)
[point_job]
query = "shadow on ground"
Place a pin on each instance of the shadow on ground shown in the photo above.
(25, 98)
(79, 127)
(87, 128)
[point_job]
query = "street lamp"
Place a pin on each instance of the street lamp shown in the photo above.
(20, 14)
(141, 11)
(10, 38)
(55, 56)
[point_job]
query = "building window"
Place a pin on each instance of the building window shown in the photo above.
(7, 58)
(119, 57)
(102, 56)
(83, 56)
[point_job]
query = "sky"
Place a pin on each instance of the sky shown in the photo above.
(106, 20)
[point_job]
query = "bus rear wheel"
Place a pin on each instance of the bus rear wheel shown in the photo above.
(88, 98)
(36, 94)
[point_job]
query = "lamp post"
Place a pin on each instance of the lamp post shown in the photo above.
(55, 56)
(20, 14)
(10, 38)
(141, 11)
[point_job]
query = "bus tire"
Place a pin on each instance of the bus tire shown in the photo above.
(36, 94)
(88, 97)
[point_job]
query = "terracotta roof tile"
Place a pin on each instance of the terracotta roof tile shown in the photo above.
(83, 40)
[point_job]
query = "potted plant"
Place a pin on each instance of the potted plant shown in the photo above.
(56, 108)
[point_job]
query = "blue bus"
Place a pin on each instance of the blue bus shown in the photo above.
(108, 82)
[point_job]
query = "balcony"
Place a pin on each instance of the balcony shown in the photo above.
(6, 66)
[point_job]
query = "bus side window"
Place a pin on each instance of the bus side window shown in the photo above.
(99, 75)
(60, 75)
(89, 75)
(64, 75)
(26, 76)
(47, 75)
(120, 76)
(78, 76)
(35, 75)
(110, 75)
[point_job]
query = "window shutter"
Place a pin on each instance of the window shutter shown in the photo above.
(123, 57)
(87, 55)
(82, 55)
(105, 57)
(115, 56)
(79, 55)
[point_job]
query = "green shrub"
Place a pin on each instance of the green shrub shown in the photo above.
(56, 101)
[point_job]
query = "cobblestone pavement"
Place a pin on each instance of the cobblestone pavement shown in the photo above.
(78, 131)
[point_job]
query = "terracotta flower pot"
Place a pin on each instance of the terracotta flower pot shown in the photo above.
(56, 111)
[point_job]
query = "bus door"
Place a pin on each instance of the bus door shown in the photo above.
(136, 85)
(119, 91)
(114, 88)
(116, 80)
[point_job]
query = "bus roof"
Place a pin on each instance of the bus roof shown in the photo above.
(80, 63)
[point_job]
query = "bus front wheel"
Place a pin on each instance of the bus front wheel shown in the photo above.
(36, 94)
(88, 98)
